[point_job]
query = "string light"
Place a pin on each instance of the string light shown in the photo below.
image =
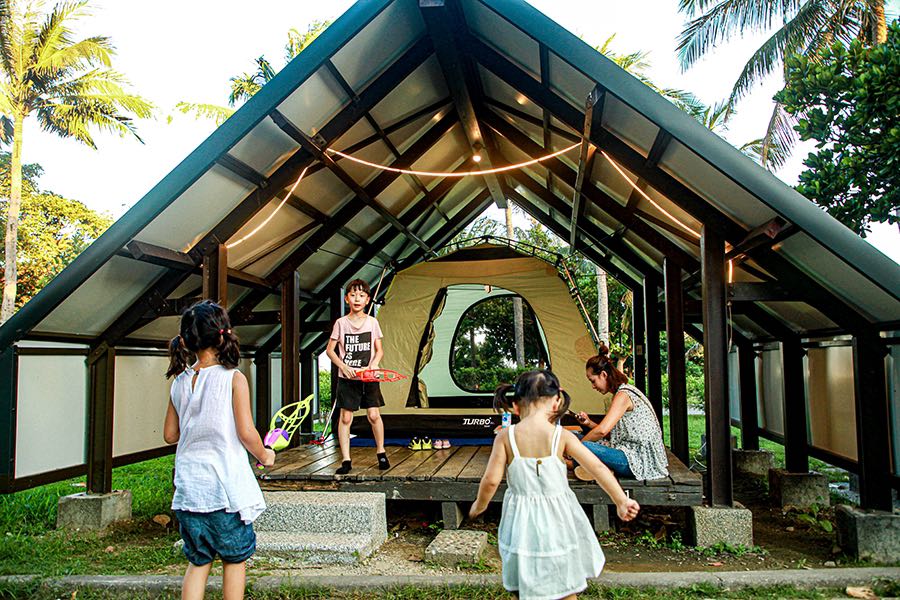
(649, 199)
(269, 218)
(454, 174)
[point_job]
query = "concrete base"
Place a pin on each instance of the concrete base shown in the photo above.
(755, 463)
(800, 490)
(93, 511)
(708, 526)
(868, 535)
(602, 520)
(451, 548)
(451, 514)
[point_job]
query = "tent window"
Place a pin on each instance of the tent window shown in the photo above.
(484, 349)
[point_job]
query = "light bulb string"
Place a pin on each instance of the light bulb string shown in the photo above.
(452, 174)
(271, 216)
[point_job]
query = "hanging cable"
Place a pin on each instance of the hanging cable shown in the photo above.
(377, 288)
(274, 212)
(451, 174)
(672, 217)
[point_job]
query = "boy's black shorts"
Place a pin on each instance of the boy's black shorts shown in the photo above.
(353, 394)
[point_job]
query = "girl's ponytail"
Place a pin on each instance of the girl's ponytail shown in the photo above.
(501, 402)
(178, 357)
(229, 349)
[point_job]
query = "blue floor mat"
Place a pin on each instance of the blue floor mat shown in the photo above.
(370, 443)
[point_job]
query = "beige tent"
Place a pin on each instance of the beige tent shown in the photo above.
(416, 330)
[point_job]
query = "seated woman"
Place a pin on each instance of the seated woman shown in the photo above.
(634, 447)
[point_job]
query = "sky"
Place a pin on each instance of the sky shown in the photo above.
(181, 50)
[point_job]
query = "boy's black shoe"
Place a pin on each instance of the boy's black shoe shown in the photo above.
(383, 463)
(344, 468)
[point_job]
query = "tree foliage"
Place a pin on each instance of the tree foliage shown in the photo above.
(801, 27)
(848, 101)
(52, 230)
(67, 84)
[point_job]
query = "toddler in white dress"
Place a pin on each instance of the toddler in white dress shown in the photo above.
(546, 543)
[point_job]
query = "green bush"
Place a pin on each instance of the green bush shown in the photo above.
(486, 379)
(324, 392)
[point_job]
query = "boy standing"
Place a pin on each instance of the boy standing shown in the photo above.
(357, 339)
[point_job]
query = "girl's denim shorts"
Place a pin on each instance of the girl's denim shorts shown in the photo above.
(219, 533)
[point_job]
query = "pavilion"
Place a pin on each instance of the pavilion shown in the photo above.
(797, 315)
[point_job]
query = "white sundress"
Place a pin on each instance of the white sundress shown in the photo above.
(546, 542)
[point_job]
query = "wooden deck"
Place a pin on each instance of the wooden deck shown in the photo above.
(450, 475)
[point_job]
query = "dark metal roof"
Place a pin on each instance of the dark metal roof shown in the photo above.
(420, 85)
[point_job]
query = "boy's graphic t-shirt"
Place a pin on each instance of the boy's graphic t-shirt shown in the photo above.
(356, 345)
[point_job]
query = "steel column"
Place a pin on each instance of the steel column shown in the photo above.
(654, 361)
(102, 373)
(872, 421)
(715, 353)
(290, 340)
(747, 385)
(796, 453)
(639, 355)
(678, 418)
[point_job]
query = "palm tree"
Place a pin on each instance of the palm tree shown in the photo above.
(245, 85)
(806, 26)
(68, 85)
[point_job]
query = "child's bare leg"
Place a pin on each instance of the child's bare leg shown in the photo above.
(374, 415)
(193, 586)
(344, 433)
(234, 579)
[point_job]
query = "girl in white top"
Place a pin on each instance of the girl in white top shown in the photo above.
(546, 543)
(216, 494)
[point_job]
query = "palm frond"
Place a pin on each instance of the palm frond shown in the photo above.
(728, 18)
(86, 53)
(297, 41)
(779, 139)
(789, 39)
(219, 114)
(6, 130)
(6, 35)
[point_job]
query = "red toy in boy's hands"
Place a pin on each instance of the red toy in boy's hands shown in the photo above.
(379, 375)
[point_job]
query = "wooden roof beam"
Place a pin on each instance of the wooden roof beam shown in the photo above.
(439, 20)
(585, 158)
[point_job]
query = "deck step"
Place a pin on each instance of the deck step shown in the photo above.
(300, 548)
(324, 512)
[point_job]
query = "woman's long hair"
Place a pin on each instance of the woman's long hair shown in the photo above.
(530, 387)
(603, 363)
(203, 325)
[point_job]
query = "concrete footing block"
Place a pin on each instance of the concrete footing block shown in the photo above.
(755, 463)
(711, 525)
(800, 490)
(451, 548)
(93, 511)
(868, 535)
(451, 514)
(602, 522)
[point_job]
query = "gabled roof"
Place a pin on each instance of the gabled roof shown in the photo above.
(424, 84)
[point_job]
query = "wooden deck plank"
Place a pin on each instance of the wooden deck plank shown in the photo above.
(450, 470)
(404, 469)
(288, 462)
(326, 458)
(432, 464)
(475, 468)
(681, 475)
(368, 465)
(398, 458)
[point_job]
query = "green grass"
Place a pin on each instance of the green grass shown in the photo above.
(29, 542)
(458, 593)
(697, 427)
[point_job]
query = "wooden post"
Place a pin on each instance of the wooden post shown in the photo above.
(308, 370)
(747, 385)
(102, 375)
(872, 421)
(678, 412)
(796, 454)
(215, 275)
(263, 391)
(336, 311)
(637, 329)
(715, 353)
(8, 391)
(290, 339)
(654, 361)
